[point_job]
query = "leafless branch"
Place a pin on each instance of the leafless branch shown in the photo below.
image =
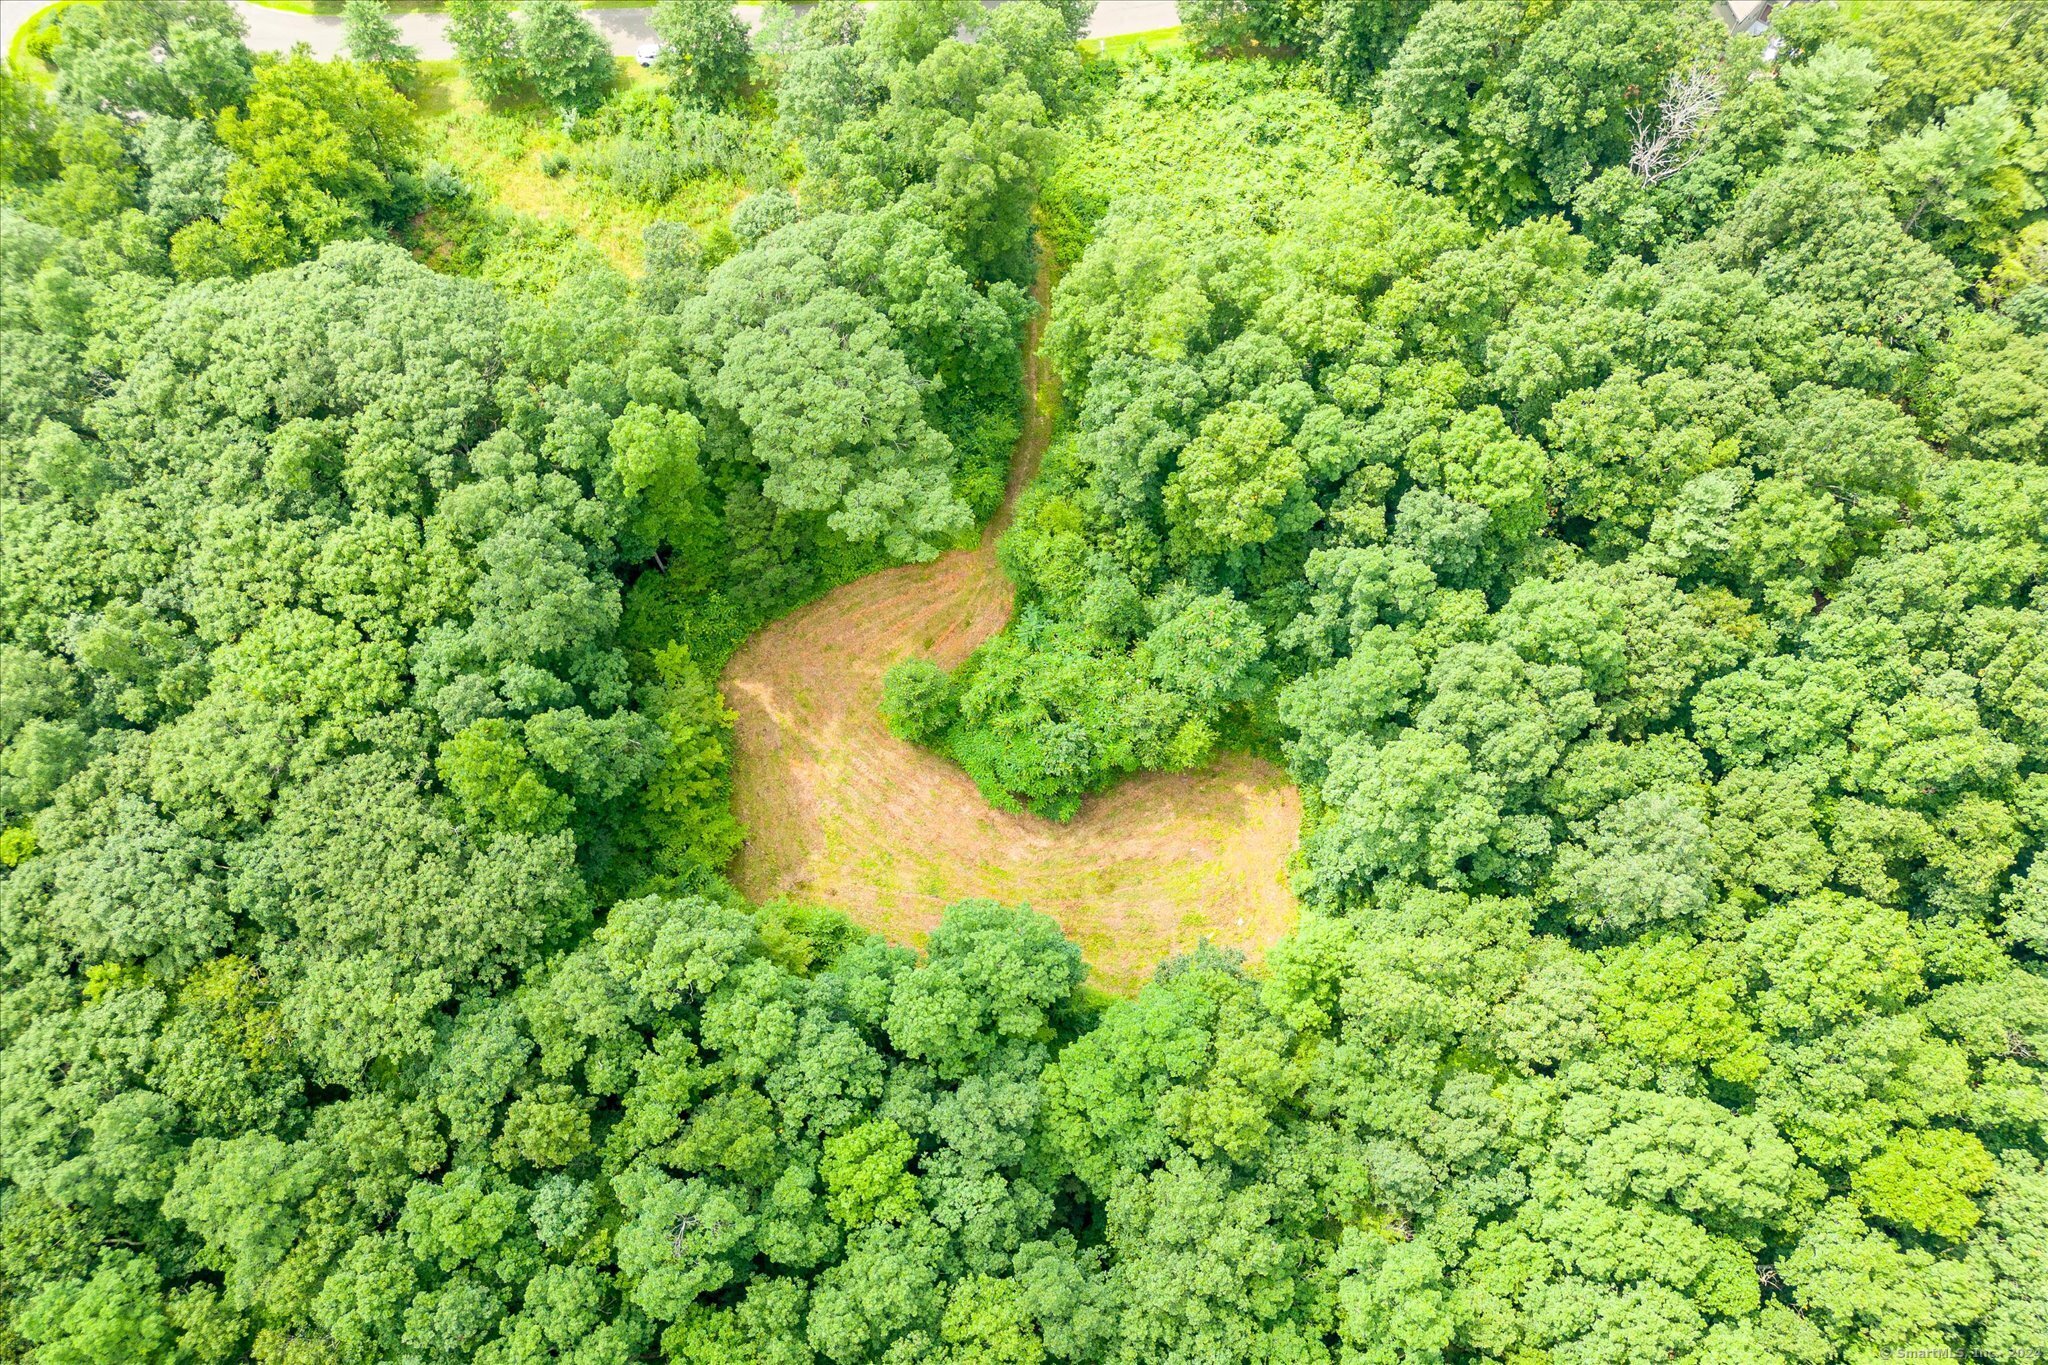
(1663, 148)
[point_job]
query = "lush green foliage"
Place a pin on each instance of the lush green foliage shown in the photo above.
(567, 61)
(1349, 41)
(206, 163)
(705, 50)
(1239, 144)
(1656, 639)
(317, 154)
(486, 41)
(1512, 107)
(1643, 575)
(349, 687)
(373, 38)
(546, 50)
(891, 106)
(182, 60)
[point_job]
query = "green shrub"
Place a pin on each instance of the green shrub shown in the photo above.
(917, 700)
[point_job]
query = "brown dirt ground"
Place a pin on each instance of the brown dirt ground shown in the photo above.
(839, 812)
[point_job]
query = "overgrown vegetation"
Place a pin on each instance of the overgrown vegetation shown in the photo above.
(1602, 574)
(1611, 472)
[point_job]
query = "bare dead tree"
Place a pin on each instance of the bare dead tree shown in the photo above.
(1663, 148)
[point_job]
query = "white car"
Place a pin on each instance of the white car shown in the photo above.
(649, 53)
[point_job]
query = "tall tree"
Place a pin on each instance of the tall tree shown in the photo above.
(485, 36)
(564, 58)
(373, 37)
(704, 50)
(317, 156)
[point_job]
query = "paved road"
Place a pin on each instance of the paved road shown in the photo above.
(272, 30)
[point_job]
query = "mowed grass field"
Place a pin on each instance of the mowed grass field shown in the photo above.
(841, 813)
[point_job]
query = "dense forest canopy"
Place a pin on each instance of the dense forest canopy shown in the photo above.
(1605, 458)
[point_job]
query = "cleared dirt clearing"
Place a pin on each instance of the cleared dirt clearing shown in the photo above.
(841, 813)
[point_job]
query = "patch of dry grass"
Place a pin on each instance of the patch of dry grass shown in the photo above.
(841, 813)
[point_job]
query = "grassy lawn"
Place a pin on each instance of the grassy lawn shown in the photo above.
(504, 155)
(1124, 44)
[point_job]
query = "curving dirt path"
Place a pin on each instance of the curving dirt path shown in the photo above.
(842, 813)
